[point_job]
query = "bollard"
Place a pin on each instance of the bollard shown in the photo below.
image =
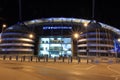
(4, 57)
(79, 60)
(39, 58)
(16, 58)
(68, 60)
(54, 59)
(24, 58)
(21, 58)
(31, 58)
(63, 59)
(87, 60)
(46, 58)
(71, 59)
(36, 58)
(10, 58)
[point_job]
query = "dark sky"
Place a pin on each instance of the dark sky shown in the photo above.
(106, 11)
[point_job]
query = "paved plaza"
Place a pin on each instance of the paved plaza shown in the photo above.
(17, 70)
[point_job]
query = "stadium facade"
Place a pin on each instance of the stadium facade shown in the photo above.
(54, 37)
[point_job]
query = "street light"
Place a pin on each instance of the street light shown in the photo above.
(3, 26)
(118, 39)
(76, 36)
(86, 24)
(30, 35)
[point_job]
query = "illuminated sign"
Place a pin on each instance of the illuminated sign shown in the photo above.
(56, 27)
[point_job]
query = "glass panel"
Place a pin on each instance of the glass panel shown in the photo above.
(44, 40)
(44, 49)
(55, 47)
(55, 40)
(66, 49)
(66, 40)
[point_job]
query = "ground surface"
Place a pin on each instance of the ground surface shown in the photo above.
(13, 70)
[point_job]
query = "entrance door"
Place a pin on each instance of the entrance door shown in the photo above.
(55, 46)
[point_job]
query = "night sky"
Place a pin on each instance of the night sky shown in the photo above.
(106, 11)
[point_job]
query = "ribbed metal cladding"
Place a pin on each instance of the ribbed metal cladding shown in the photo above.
(96, 38)
(96, 41)
(16, 40)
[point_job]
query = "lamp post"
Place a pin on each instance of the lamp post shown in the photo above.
(3, 26)
(76, 36)
(31, 36)
(86, 25)
(86, 29)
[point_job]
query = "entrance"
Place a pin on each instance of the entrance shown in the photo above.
(55, 46)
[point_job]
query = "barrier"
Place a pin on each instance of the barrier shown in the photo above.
(61, 59)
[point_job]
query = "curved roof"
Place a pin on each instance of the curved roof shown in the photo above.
(18, 27)
(69, 20)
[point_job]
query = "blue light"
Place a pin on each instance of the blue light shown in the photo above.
(56, 27)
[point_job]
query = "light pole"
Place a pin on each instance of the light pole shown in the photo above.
(3, 26)
(31, 36)
(76, 36)
(86, 26)
(86, 30)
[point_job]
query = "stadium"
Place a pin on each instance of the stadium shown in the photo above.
(54, 37)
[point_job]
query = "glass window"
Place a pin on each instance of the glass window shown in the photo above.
(66, 40)
(55, 46)
(44, 40)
